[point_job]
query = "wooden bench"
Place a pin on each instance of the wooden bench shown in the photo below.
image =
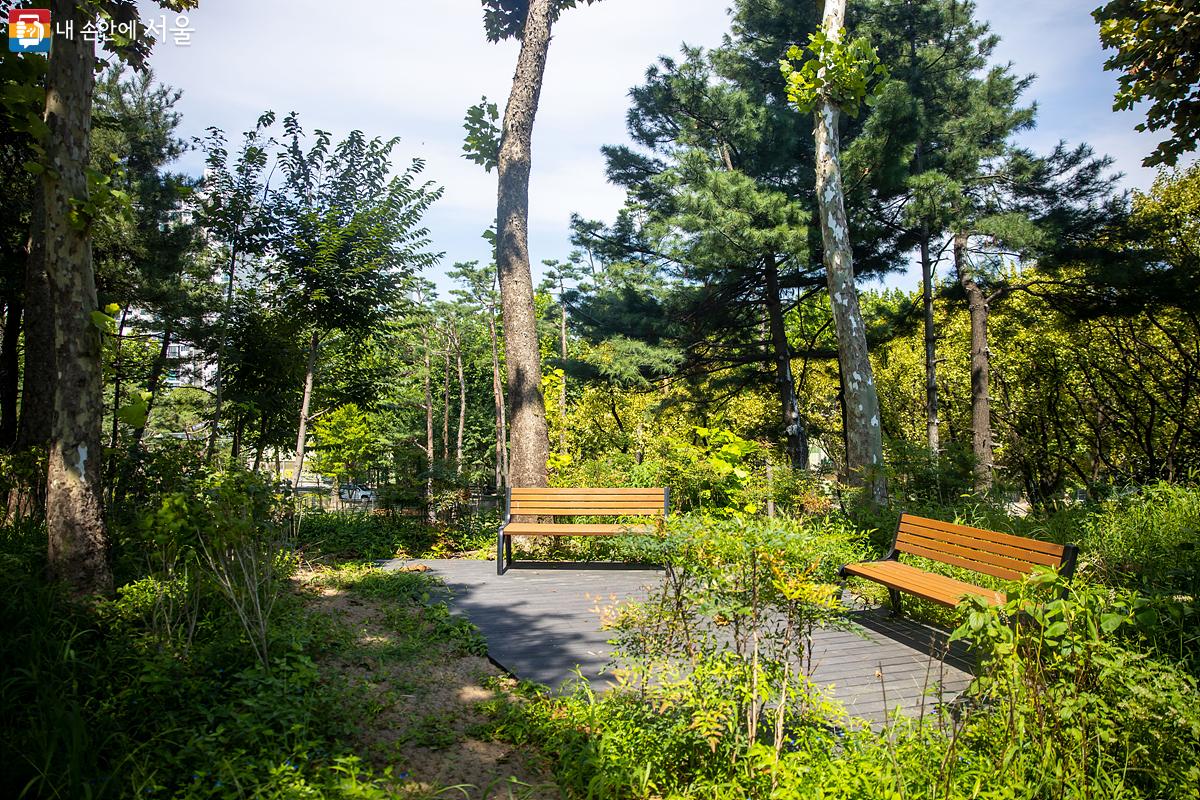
(557, 502)
(1000, 555)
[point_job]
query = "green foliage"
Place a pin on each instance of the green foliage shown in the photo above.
(1073, 706)
(347, 443)
(103, 705)
(505, 19)
(1155, 43)
(482, 141)
(831, 68)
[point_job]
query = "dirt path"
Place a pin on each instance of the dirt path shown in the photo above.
(428, 698)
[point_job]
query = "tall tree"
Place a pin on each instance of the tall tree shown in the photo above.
(530, 21)
(78, 542)
(833, 80)
(351, 238)
(234, 212)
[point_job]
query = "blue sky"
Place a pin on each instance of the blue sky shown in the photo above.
(412, 67)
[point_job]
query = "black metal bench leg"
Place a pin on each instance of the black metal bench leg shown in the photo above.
(507, 551)
(895, 595)
(500, 548)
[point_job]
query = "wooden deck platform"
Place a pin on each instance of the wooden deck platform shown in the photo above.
(542, 623)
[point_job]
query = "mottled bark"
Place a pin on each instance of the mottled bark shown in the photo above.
(77, 539)
(305, 402)
(864, 436)
(981, 399)
(530, 445)
(796, 437)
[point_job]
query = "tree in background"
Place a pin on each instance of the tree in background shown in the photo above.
(346, 445)
(350, 239)
(234, 212)
(530, 22)
(835, 79)
(1156, 43)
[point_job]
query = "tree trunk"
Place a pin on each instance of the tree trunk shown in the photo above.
(219, 378)
(429, 510)
(261, 446)
(498, 397)
(77, 540)
(462, 405)
(10, 372)
(156, 372)
(981, 400)
(115, 433)
(562, 389)
(530, 444)
(306, 399)
(793, 427)
(446, 400)
(864, 436)
(931, 387)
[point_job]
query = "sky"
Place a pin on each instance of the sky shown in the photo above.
(411, 68)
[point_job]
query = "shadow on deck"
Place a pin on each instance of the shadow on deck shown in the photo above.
(542, 622)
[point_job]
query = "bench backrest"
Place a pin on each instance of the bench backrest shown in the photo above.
(566, 502)
(999, 554)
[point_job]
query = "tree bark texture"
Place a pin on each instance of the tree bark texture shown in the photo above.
(864, 436)
(446, 398)
(527, 410)
(305, 402)
(77, 540)
(981, 399)
(796, 437)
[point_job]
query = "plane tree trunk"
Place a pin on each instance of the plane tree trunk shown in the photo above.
(77, 539)
(864, 436)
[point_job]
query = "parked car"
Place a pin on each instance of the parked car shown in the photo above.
(353, 493)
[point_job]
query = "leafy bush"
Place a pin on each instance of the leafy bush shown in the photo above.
(374, 536)
(1069, 703)
(1149, 540)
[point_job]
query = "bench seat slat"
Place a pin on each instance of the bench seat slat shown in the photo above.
(938, 588)
(937, 526)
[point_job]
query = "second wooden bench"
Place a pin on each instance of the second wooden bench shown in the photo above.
(653, 504)
(1000, 555)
